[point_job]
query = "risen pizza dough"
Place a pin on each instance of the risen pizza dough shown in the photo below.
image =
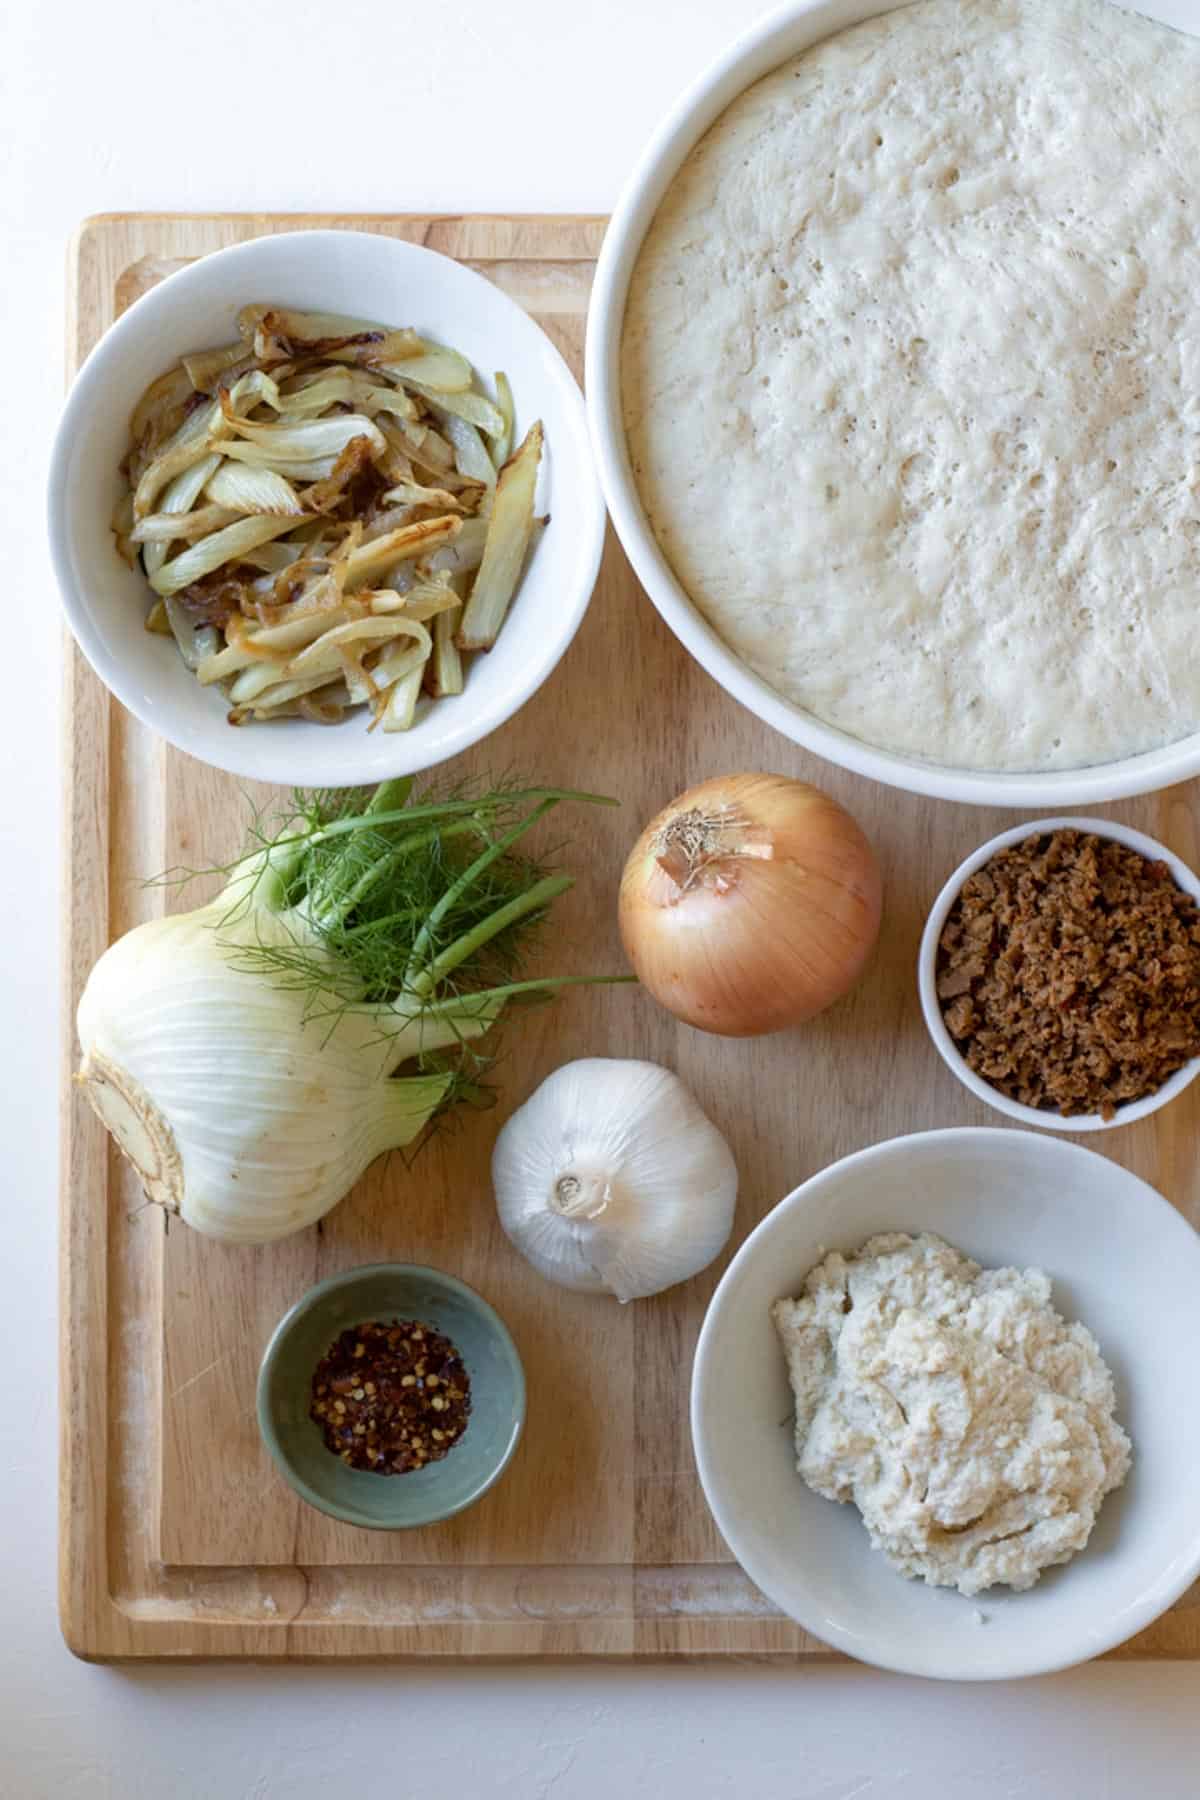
(911, 376)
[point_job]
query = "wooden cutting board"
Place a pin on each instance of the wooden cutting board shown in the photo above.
(178, 1539)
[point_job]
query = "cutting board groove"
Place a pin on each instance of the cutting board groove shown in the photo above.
(178, 1540)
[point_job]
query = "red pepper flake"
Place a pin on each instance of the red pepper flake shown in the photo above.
(389, 1398)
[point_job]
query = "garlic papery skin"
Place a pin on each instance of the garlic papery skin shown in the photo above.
(610, 1179)
(243, 1116)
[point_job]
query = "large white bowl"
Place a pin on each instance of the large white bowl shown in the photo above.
(931, 1006)
(337, 271)
(1121, 1259)
(781, 35)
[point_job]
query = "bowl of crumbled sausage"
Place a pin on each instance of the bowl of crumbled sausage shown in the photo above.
(1059, 974)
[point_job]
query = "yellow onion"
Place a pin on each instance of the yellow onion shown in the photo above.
(749, 904)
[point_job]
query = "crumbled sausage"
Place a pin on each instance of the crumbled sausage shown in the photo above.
(1069, 973)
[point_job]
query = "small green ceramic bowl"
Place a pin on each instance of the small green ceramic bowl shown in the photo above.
(391, 1291)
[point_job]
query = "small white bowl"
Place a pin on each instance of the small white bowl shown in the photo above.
(1121, 1259)
(948, 1050)
(373, 277)
(767, 44)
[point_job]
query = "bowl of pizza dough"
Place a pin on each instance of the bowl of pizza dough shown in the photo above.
(892, 399)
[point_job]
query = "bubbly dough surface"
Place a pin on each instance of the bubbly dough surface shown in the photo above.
(911, 380)
(971, 1425)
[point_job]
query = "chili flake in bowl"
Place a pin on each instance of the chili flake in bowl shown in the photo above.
(1059, 974)
(437, 1358)
(390, 1398)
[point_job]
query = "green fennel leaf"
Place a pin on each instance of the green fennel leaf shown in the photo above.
(418, 910)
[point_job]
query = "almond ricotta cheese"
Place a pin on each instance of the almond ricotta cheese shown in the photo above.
(972, 1426)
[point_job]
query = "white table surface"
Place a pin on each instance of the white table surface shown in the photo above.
(141, 104)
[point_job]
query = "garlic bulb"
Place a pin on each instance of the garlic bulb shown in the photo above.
(611, 1179)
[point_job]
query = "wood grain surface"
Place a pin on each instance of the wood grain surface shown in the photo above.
(178, 1539)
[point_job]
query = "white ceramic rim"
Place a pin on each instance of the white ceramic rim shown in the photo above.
(752, 55)
(308, 769)
(1132, 1620)
(931, 1007)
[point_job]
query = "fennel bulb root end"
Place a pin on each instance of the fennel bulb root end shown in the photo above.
(125, 1109)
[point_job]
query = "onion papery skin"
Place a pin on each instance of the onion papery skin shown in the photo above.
(750, 904)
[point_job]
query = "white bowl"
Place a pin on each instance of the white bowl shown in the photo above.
(931, 1007)
(1121, 1259)
(337, 271)
(781, 35)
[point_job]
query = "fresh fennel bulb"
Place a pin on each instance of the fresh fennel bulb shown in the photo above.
(245, 1055)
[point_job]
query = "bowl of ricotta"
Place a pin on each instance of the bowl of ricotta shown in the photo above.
(893, 397)
(942, 1405)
